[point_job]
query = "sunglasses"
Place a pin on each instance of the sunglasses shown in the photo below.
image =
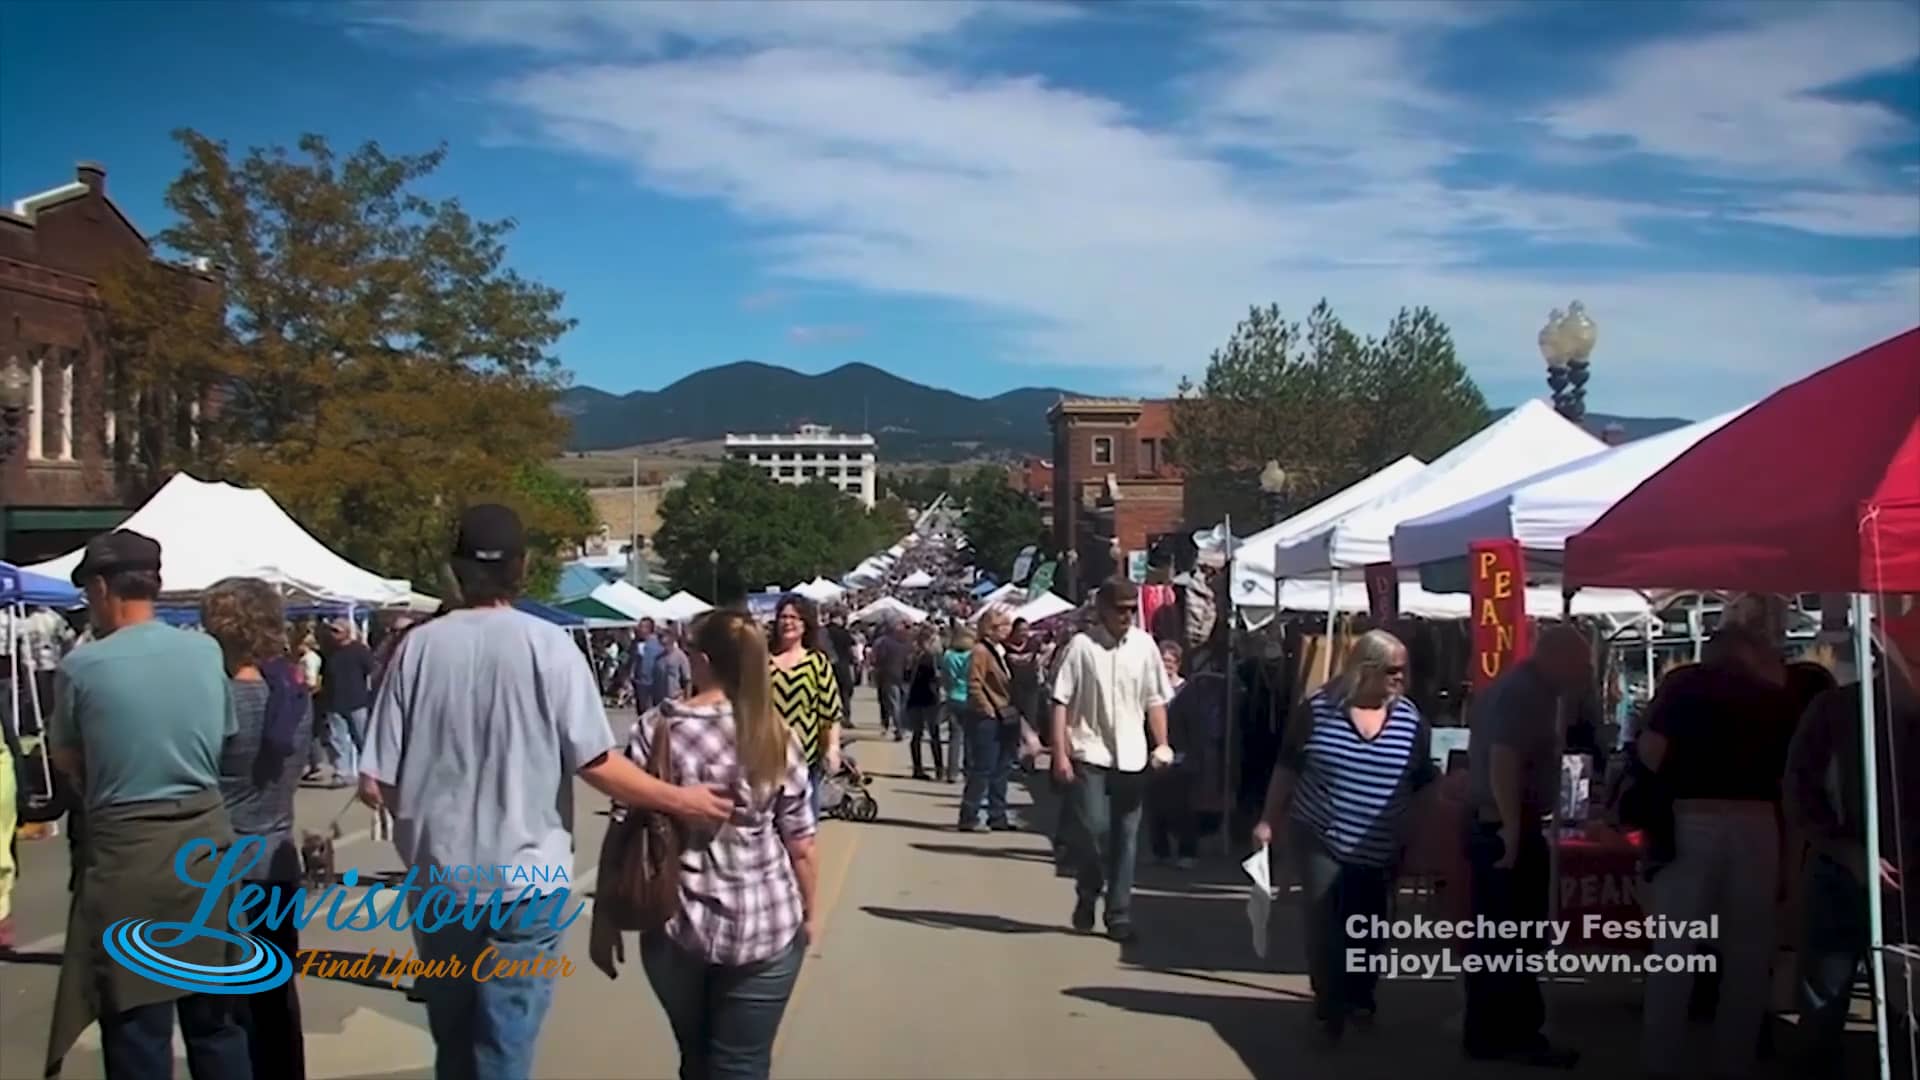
(1394, 669)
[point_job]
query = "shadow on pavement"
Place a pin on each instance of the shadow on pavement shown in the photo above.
(959, 920)
(1020, 854)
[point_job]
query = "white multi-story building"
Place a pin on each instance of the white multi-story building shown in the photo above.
(812, 453)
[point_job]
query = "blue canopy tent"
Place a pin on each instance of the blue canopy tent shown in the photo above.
(19, 586)
(987, 585)
(551, 614)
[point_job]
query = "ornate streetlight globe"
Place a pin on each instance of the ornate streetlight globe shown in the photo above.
(1566, 343)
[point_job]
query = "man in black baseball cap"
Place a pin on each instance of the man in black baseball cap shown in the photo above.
(489, 555)
(120, 574)
(459, 692)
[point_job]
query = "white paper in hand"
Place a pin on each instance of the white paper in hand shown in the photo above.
(1259, 868)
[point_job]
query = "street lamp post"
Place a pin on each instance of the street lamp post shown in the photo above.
(1566, 344)
(1273, 489)
(14, 391)
(713, 567)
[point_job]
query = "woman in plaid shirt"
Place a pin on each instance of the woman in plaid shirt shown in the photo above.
(724, 968)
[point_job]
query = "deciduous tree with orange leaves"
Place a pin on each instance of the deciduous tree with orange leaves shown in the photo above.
(373, 361)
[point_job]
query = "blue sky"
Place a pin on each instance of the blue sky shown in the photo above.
(985, 196)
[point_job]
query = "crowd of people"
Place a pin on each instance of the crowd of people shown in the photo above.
(168, 736)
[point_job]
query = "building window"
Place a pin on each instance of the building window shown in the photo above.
(854, 473)
(787, 471)
(36, 409)
(65, 442)
(1149, 456)
(1102, 450)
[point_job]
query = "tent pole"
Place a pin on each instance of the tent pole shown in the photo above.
(1231, 791)
(1333, 612)
(1869, 751)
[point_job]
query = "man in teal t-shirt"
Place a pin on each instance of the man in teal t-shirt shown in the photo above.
(953, 677)
(139, 718)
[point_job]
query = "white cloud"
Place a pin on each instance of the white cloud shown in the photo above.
(649, 27)
(1099, 237)
(1751, 101)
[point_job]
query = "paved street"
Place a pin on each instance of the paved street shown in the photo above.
(943, 955)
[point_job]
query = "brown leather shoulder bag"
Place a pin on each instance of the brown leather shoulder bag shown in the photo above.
(639, 882)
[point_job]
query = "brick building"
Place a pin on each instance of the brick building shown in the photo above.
(66, 477)
(1114, 490)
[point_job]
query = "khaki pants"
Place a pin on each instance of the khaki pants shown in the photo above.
(9, 812)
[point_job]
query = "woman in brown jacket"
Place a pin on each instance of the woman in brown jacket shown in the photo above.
(992, 728)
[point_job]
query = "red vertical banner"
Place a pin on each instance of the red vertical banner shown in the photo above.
(1498, 588)
(1383, 592)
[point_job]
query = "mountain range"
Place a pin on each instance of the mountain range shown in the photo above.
(911, 422)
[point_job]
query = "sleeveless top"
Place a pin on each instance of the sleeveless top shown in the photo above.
(1352, 792)
(807, 697)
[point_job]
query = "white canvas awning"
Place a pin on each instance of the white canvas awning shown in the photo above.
(1253, 557)
(1041, 607)
(919, 579)
(683, 606)
(820, 591)
(1313, 595)
(1520, 444)
(1545, 508)
(625, 598)
(887, 609)
(212, 531)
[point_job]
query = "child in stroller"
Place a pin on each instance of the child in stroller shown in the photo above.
(844, 794)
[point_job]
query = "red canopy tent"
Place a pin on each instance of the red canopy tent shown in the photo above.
(1814, 489)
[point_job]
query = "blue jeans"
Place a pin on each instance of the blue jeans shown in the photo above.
(954, 715)
(724, 1018)
(139, 1042)
(1335, 892)
(487, 1030)
(1103, 832)
(893, 705)
(991, 749)
(346, 734)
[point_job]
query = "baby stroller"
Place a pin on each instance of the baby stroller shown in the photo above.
(844, 794)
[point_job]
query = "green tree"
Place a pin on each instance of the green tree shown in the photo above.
(765, 533)
(999, 521)
(1326, 404)
(370, 360)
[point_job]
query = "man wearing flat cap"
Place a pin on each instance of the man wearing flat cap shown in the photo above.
(139, 717)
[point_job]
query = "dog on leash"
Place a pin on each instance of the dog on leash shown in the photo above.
(316, 858)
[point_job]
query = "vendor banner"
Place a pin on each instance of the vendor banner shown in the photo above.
(1501, 635)
(1383, 592)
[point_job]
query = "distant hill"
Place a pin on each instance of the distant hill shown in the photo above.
(1635, 427)
(911, 422)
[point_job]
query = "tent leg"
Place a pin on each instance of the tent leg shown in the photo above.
(1869, 752)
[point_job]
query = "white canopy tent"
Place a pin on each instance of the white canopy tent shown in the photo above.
(683, 605)
(1253, 557)
(212, 531)
(1000, 597)
(820, 590)
(1543, 509)
(1045, 606)
(625, 598)
(1312, 594)
(919, 579)
(887, 609)
(1528, 439)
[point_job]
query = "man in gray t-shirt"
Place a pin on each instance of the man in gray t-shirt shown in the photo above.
(483, 719)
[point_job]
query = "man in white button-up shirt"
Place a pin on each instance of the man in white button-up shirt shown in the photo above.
(1109, 698)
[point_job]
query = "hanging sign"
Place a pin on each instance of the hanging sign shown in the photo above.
(1498, 588)
(1383, 593)
(1137, 567)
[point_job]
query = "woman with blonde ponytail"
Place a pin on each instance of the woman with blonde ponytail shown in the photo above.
(725, 965)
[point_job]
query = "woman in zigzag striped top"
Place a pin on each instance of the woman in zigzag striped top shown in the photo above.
(1354, 754)
(805, 693)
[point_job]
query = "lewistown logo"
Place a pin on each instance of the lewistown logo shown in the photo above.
(142, 946)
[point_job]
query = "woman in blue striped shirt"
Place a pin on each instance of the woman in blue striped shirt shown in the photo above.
(1353, 754)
